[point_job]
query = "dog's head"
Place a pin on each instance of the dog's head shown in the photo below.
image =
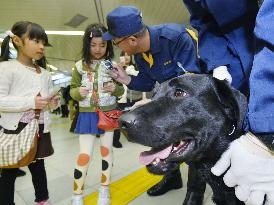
(190, 118)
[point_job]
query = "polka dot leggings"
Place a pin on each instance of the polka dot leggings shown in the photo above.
(86, 142)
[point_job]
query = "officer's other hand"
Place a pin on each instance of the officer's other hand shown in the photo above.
(120, 75)
(221, 73)
(250, 166)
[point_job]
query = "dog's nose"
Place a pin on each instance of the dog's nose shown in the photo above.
(127, 121)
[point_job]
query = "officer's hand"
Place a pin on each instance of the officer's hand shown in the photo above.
(250, 170)
(221, 73)
(120, 75)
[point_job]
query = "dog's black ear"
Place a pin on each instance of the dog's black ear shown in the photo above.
(234, 102)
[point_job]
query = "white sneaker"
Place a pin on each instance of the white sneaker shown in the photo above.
(104, 196)
(77, 200)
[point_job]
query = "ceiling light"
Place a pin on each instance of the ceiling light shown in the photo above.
(69, 33)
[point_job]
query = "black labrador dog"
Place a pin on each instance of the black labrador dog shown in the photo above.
(192, 119)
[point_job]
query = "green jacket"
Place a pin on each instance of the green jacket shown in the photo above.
(80, 77)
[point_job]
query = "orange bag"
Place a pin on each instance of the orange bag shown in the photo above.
(108, 120)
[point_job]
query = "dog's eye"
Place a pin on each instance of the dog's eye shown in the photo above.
(180, 93)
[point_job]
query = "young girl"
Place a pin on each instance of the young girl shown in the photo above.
(24, 86)
(90, 79)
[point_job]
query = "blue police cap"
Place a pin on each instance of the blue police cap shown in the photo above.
(123, 21)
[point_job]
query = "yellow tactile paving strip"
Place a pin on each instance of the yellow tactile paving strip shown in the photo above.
(128, 188)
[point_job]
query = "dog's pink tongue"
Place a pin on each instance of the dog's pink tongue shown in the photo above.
(147, 158)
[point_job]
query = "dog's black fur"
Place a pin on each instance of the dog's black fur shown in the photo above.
(204, 112)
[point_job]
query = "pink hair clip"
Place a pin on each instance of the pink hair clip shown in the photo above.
(90, 35)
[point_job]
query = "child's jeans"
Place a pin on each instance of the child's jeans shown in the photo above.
(39, 180)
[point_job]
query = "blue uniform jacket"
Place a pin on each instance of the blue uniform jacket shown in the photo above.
(261, 102)
(225, 33)
(174, 52)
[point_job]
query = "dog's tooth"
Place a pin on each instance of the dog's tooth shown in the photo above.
(157, 160)
(175, 148)
(182, 142)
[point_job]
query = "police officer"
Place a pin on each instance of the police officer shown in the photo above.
(161, 53)
(226, 30)
(261, 108)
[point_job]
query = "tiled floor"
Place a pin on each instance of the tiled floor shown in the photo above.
(60, 168)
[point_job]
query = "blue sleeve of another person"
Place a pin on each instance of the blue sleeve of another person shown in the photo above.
(213, 46)
(261, 104)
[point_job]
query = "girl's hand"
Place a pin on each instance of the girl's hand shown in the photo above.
(83, 91)
(120, 75)
(109, 87)
(54, 101)
(41, 102)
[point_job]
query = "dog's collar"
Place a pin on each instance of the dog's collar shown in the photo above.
(232, 131)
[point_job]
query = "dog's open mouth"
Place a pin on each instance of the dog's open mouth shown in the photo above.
(162, 160)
